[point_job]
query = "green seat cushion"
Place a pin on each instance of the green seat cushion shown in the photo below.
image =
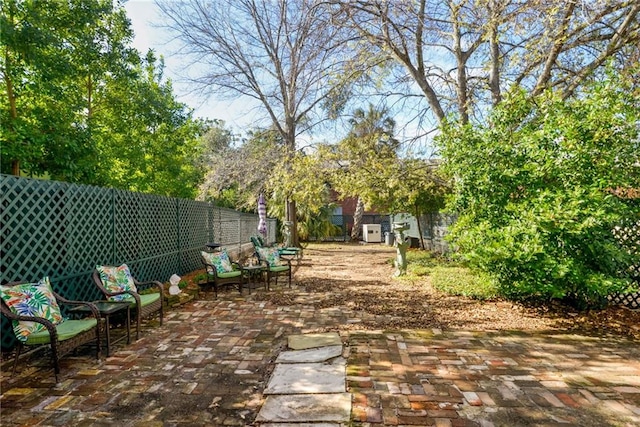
(230, 274)
(278, 268)
(287, 252)
(67, 329)
(145, 299)
(291, 249)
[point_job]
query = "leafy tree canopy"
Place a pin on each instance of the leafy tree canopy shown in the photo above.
(534, 190)
(81, 105)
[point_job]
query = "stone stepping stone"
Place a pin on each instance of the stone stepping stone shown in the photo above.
(301, 425)
(306, 341)
(306, 408)
(308, 378)
(312, 355)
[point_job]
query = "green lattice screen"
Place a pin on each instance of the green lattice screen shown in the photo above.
(64, 230)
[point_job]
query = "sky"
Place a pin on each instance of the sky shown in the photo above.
(145, 16)
(237, 115)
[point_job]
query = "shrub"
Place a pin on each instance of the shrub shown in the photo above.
(534, 193)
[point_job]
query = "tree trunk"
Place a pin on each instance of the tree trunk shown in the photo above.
(357, 220)
(494, 49)
(417, 214)
(291, 215)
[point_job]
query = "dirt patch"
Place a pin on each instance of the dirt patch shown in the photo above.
(359, 277)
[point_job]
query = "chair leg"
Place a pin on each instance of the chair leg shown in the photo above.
(138, 325)
(55, 358)
(15, 362)
(98, 342)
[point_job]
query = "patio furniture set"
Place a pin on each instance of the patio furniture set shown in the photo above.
(266, 263)
(42, 317)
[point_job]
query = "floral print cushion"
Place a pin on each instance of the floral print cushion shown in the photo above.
(31, 299)
(117, 279)
(220, 260)
(270, 255)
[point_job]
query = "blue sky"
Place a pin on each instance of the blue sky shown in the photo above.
(145, 17)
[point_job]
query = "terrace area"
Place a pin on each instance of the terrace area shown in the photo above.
(413, 357)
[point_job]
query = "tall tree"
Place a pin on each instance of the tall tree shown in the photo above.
(237, 171)
(148, 138)
(277, 53)
(371, 134)
(462, 55)
(54, 58)
(76, 97)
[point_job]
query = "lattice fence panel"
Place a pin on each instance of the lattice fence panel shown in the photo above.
(158, 225)
(33, 230)
(90, 226)
(127, 228)
(629, 236)
(195, 232)
(147, 233)
(63, 231)
(227, 227)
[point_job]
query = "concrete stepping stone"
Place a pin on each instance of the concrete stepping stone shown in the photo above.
(306, 341)
(308, 378)
(312, 355)
(306, 408)
(301, 425)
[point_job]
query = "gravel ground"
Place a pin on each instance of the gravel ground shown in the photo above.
(359, 277)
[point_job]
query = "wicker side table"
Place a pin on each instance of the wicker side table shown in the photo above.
(254, 274)
(108, 309)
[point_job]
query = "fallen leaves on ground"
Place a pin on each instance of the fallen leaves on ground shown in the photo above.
(358, 278)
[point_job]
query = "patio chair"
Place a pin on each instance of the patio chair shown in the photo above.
(288, 252)
(270, 258)
(117, 284)
(221, 271)
(34, 310)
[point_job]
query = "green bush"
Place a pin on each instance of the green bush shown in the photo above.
(534, 193)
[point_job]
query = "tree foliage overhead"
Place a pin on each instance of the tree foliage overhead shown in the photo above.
(535, 190)
(367, 166)
(281, 54)
(461, 56)
(238, 171)
(80, 104)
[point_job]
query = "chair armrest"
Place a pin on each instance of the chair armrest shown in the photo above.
(12, 316)
(237, 265)
(51, 328)
(63, 301)
(211, 270)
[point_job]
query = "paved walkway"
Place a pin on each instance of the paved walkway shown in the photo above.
(211, 361)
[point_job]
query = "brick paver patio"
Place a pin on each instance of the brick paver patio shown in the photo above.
(210, 361)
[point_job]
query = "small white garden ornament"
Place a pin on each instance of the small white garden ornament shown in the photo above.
(174, 289)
